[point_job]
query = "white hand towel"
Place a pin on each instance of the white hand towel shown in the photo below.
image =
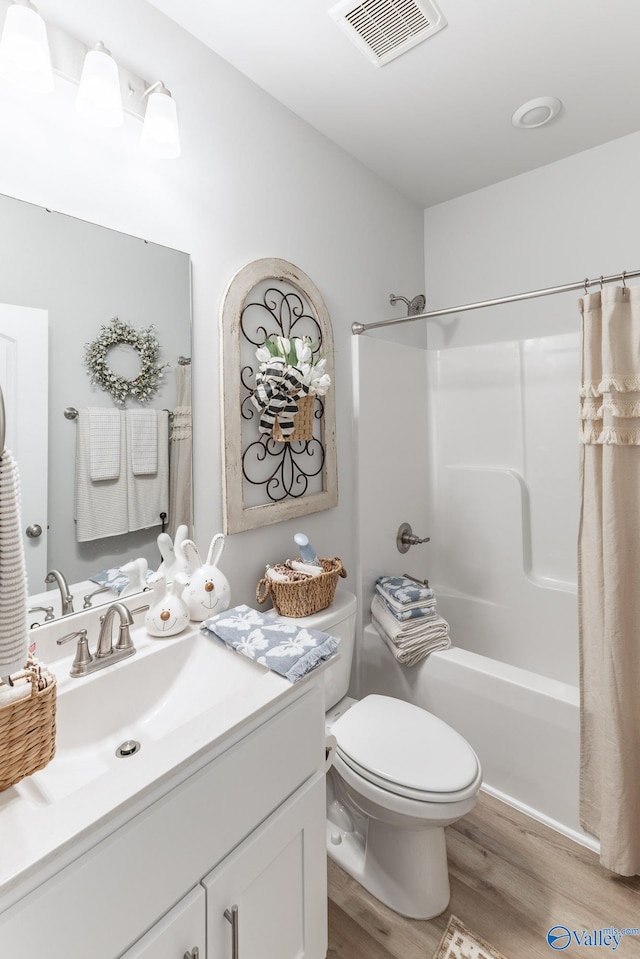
(148, 494)
(13, 575)
(104, 443)
(100, 507)
(143, 429)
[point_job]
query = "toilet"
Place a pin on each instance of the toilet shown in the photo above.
(399, 776)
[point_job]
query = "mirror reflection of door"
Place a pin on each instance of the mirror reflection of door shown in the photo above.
(24, 380)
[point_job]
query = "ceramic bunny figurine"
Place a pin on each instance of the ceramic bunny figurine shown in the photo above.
(173, 559)
(208, 591)
(136, 570)
(168, 613)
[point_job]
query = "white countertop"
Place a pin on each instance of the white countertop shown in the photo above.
(86, 792)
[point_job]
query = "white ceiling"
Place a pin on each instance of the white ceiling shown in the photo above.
(436, 122)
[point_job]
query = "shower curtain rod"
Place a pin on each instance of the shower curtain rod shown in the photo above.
(357, 328)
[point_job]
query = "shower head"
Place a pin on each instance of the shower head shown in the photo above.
(414, 306)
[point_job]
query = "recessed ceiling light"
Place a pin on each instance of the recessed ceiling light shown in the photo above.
(535, 113)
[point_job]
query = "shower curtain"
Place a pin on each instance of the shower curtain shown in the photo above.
(180, 455)
(609, 575)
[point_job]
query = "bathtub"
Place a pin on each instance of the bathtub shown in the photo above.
(523, 726)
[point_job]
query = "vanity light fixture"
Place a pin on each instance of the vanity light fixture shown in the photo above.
(160, 134)
(99, 97)
(24, 49)
(32, 51)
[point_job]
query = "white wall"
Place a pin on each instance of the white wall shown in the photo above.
(254, 180)
(504, 385)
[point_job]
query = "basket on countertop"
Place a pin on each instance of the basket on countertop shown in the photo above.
(306, 596)
(28, 733)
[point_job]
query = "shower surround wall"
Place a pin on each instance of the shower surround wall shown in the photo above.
(485, 455)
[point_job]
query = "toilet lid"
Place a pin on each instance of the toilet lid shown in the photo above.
(404, 745)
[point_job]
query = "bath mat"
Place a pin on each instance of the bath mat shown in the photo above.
(459, 942)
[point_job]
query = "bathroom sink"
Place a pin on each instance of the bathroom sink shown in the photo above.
(147, 698)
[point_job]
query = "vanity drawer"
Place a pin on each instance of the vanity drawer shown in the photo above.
(171, 846)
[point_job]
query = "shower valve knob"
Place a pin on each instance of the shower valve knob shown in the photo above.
(406, 538)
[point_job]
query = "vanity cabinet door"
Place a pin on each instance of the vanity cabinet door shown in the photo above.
(180, 934)
(277, 879)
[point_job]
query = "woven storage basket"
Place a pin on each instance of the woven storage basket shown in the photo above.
(27, 734)
(303, 422)
(306, 596)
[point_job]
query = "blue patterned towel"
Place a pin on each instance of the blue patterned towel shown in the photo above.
(419, 612)
(403, 594)
(287, 649)
(114, 578)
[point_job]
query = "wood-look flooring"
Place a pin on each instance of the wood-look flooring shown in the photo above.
(512, 879)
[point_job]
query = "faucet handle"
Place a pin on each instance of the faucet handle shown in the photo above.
(82, 657)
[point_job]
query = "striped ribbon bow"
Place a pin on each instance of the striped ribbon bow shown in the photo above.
(278, 389)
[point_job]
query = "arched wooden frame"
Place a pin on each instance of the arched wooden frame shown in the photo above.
(240, 430)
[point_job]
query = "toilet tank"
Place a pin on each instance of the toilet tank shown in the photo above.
(339, 620)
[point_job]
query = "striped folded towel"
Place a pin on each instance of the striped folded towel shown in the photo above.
(410, 643)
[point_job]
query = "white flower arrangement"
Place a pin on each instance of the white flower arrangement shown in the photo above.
(298, 352)
(145, 341)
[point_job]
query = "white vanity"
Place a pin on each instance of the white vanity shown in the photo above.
(223, 806)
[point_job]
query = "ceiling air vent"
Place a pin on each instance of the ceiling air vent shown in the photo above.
(384, 29)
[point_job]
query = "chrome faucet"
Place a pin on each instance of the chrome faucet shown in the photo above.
(55, 576)
(105, 639)
(106, 653)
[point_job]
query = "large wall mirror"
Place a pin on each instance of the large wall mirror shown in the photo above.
(61, 281)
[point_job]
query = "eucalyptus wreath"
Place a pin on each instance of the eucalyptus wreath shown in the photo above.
(145, 341)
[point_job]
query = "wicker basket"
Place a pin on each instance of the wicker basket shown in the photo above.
(304, 597)
(303, 422)
(27, 734)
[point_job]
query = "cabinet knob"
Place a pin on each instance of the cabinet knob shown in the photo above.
(193, 954)
(231, 915)
(34, 531)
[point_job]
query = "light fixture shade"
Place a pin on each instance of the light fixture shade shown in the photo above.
(99, 98)
(24, 50)
(160, 134)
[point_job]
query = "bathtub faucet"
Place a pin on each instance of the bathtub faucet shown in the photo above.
(406, 538)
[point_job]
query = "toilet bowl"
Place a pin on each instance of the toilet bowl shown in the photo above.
(399, 776)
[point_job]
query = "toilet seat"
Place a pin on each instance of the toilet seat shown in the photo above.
(406, 750)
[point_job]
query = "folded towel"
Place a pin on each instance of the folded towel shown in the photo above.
(287, 649)
(148, 493)
(100, 507)
(114, 578)
(395, 627)
(429, 609)
(143, 429)
(403, 594)
(412, 655)
(410, 650)
(104, 443)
